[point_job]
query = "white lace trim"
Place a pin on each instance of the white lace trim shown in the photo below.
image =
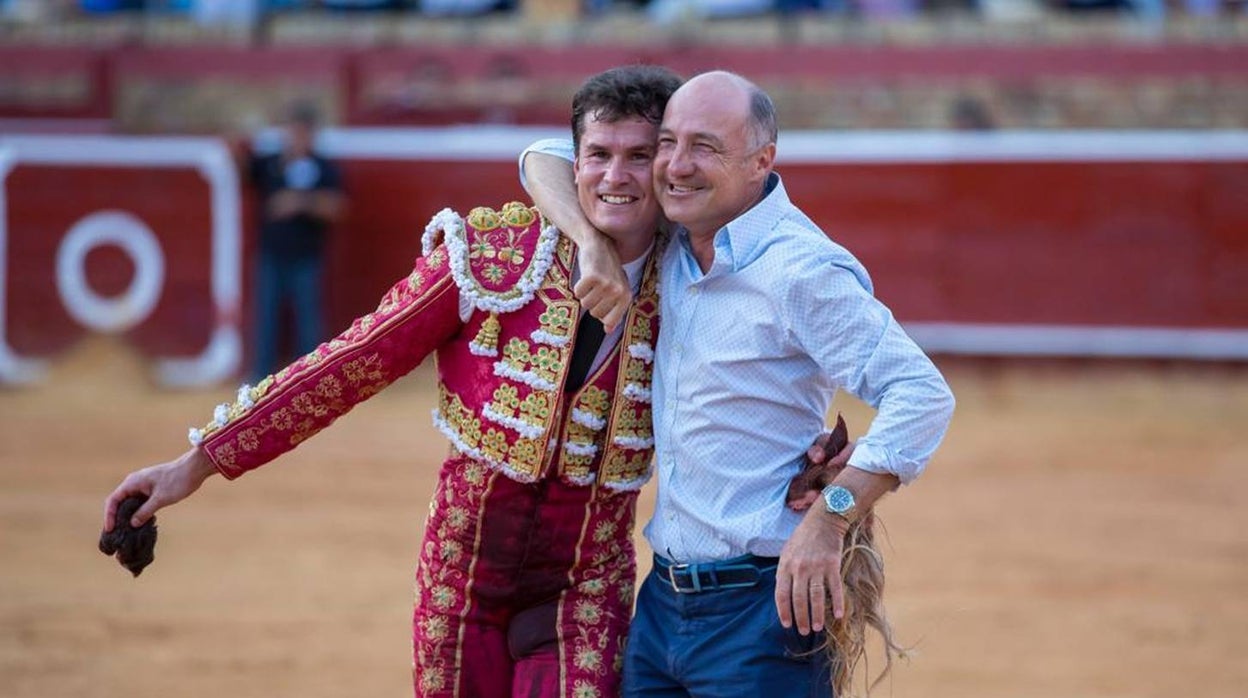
(580, 449)
(633, 442)
(587, 419)
(195, 436)
(522, 427)
(481, 350)
(244, 397)
(221, 415)
(501, 466)
(637, 393)
(444, 220)
(527, 377)
(457, 247)
(581, 480)
(627, 485)
(641, 350)
(544, 337)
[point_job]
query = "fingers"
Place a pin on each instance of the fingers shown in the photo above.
(818, 604)
(803, 503)
(613, 317)
(838, 598)
(818, 452)
(606, 300)
(784, 597)
(145, 512)
(801, 605)
(841, 459)
(127, 487)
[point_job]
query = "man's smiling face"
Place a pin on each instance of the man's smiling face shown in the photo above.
(614, 174)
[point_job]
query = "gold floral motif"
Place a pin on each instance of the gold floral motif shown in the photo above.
(516, 354)
(431, 679)
(620, 466)
(594, 587)
(225, 455)
(636, 371)
(442, 596)
(363, 370)
(282, 419)
(603, 531)
(587, 611)
(634, 423)
(481, 249)
(588, 659)
(535, 409)
(457, 518)
(641, 330)
(584, 689)
(575, 467)
(436, 627)
(474, 474)
(595, 401)
(494, 445)
(452, 551)
(557, 319)
(524, 456)
(249, 439)
(436, 259)
(329, 387)
(547, 363)
(506, 399)
(415, 280)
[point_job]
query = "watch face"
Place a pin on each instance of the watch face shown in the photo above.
(839, 499)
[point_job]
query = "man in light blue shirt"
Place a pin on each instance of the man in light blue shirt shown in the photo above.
(763, 320)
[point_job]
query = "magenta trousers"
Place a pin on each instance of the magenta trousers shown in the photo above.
(522, 589)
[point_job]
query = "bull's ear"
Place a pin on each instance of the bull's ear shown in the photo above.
(840, 437)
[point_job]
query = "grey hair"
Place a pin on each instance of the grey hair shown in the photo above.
(762, 117)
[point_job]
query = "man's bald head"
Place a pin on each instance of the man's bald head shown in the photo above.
(729, 89)
(716, 150)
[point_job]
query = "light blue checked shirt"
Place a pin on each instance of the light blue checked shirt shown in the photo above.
(748, 360)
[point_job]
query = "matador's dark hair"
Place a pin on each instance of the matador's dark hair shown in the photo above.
(622, 93)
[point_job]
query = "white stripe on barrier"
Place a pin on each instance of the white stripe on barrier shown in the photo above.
(1071, 341)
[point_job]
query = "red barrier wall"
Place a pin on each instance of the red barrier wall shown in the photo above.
(1068, 244)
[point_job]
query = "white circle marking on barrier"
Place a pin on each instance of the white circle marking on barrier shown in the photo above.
(133, 305)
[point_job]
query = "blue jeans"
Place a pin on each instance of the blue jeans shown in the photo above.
(280, 281)
(719, 644)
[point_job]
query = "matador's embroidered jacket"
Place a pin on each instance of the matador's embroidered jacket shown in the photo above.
(500, 373)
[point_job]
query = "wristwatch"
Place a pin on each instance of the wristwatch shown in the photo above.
(840, 501)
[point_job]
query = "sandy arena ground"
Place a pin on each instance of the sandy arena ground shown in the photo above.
(1081, 533)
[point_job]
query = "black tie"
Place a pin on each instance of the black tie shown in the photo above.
(589, 336)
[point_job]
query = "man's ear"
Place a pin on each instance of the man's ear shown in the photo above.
(765, 159)
(576, 168)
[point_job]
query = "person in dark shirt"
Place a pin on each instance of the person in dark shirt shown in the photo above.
(300, 197)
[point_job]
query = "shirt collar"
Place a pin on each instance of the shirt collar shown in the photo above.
(741, 241)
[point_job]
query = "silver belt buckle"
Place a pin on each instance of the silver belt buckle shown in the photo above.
(671, 577)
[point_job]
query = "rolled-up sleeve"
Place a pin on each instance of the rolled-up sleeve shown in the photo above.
(863, 349)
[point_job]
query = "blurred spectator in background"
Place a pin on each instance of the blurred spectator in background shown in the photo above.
(300, 197)
(240, 12)
(970, 114)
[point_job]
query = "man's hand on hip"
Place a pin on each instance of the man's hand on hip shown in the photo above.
(809, 573)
